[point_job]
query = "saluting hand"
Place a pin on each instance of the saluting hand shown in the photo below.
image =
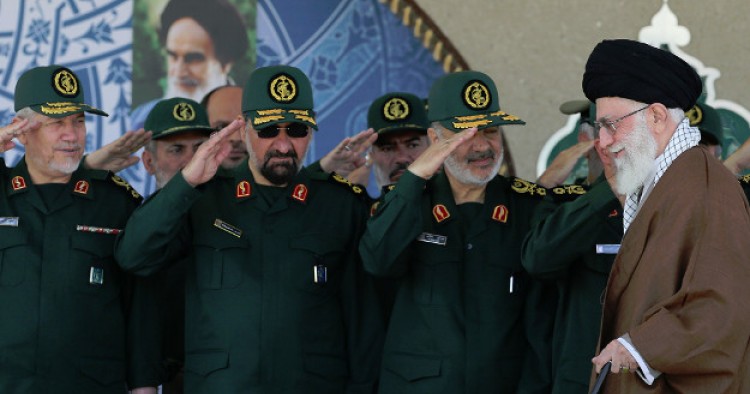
(563, 164)
(429, 162)
(118, 154)
(347, 156)
(17, 127)
(207, 159)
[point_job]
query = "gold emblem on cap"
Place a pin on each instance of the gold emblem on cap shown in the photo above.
(283, 88)
(396, 109)
(476, 95)
(65, 83)
(695, 115)
(183, 112)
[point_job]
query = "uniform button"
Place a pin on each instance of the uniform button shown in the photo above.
(469, 246)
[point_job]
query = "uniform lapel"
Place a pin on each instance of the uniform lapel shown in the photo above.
(20, 185)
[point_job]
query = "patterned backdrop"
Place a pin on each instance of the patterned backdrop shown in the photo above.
(353, 51)
(92, 38)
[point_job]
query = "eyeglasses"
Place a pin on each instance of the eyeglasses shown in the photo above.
(294, 130)
(609, 125)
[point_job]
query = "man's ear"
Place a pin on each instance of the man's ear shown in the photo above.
(148, 162)
(432, 135)
(21, 137)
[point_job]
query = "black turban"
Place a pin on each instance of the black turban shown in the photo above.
(640, 72)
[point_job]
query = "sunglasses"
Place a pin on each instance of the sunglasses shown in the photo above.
(294, 130)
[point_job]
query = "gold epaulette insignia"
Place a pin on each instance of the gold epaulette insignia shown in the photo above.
(356, 189)
(525, 187)
(569, 189)
(124, 184)
(745, 179)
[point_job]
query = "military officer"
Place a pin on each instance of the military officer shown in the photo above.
(462, 321)
(277, 300)
(179, 127)
(574, 246)
(65, 303)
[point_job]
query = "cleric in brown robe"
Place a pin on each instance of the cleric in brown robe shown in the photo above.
(677, 306)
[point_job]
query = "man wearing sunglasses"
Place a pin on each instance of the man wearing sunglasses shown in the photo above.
(276, 296)
(675, 308)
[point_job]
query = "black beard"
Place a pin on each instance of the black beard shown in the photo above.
(279, 173)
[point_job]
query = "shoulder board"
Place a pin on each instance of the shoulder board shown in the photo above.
(125, 185)
(357, 190)
(387, 189)
(745, 179)
(522, 186)
(566, 192)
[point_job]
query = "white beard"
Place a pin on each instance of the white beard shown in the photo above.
(215, 78)
(637, 161)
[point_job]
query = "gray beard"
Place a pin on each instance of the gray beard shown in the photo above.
(637, 161)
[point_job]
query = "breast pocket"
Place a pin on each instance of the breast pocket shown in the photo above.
(315, 264)
(437, 276)
(219, 261)
(92, 268)
(13, 256)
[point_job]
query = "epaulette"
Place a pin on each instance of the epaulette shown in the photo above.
(522, 186)
(745, 179)
(565, 193)
(357, 190)
(124, 184)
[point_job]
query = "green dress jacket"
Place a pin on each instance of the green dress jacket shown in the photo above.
(66, 308)
(574, 246)
(467, 317)
(276, 297)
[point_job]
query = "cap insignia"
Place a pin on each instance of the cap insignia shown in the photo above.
(396, 109)
(695, 115)
(500, 214)
(283, 89)
(184, 112)
(65, 82)
(476, 95)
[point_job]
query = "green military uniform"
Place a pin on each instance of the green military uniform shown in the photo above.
(467, 317)
(171, 117)
(575, 246)
(276, 297)
(66, 308)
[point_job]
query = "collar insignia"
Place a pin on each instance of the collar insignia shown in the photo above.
(500, 214)
(283, 88)
(18, 183)
(440, 212)
(243, 189)
(300, 193)
(82, 187)
(613, 213)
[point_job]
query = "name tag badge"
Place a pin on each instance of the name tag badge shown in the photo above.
(96, 276)
(224, 226)
(9, 221)
(433, 239)
(320, 274)
(607, 248)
